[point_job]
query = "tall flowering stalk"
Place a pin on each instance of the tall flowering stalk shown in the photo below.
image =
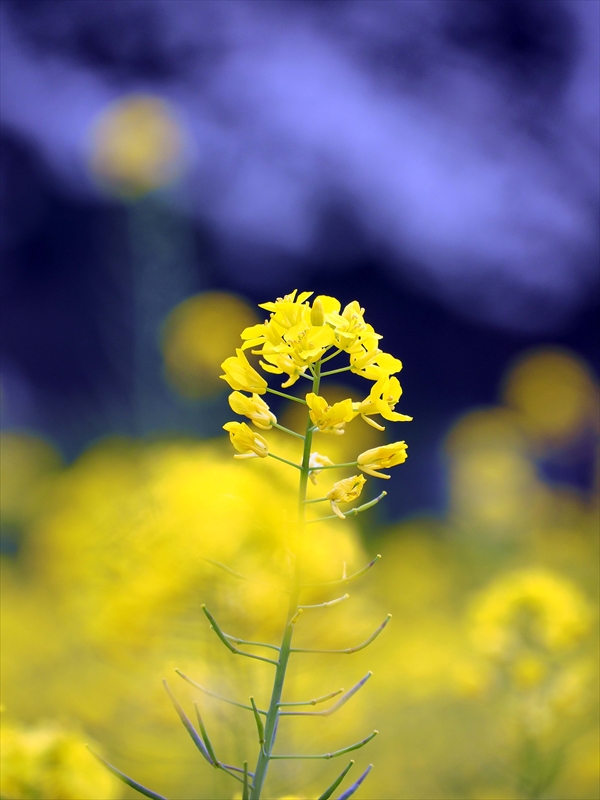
(297, 341)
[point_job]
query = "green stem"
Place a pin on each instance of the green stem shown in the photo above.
(266, 751)
(287, 396)
(284, 460)
(335, 371)
(335, 466)
(287, 430)
(328, 358)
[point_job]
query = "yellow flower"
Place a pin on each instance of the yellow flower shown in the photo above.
(289, 308)
(240, 375)
(246, 441)
(317, 460)
(374, 364)
(382, 458)
(351, 328)
(381, 400)
(254, 408)
(329, 419)
(529, 604)
(345, 491)
(302, 344)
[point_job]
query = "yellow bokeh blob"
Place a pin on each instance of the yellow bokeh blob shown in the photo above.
(137, 145)
(198, 335)
(493, 482)
(529, 607)
(51, 762)
(554, 393)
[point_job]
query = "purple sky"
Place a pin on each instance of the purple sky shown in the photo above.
(459, 140)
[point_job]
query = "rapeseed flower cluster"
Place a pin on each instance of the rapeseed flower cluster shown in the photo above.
(296, 341)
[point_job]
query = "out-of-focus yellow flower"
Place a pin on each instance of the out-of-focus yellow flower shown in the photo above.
(379, 458)
(493, 481)
(254, 408)
(345, 491)
(471, 678)
(248, 443)
(554, 393)
(317, 460)
(528, 671)
(240, 375)
(531, 605)
(197, 336)
(137, 145)
(329, 419)
(382, 400)
(51, 763)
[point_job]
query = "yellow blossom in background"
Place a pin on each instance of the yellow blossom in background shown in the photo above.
(494, 485)
(345, 491)
(52, 763)
(254, 408)
(530, 604)
(378, 458)
(137, 145)
(554, 394)
(329, 419)
(197, 336)
(240, 375)
(245, 441)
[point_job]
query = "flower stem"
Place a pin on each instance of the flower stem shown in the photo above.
(270, 728)
(284, 460)
(335, 371)
(287, 396)
(287, 430)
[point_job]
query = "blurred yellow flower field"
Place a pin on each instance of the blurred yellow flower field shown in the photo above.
(485, 686)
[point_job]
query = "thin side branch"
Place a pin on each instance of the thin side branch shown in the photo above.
(256, 644)
(351, 789)
(332, 709)
(228, 644)
(344, 580)
(335, 371)
(331, 789)
(284, 461)
(315, 701)
(260, 728)
(287, 396)
(353, 511)
(347, 650)
(334, 466)
(215, 695)
(126, 779)
(328, 603)
(241, 577)
(335, 753)
(188, 726)
(205, 738)
(287, 430)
